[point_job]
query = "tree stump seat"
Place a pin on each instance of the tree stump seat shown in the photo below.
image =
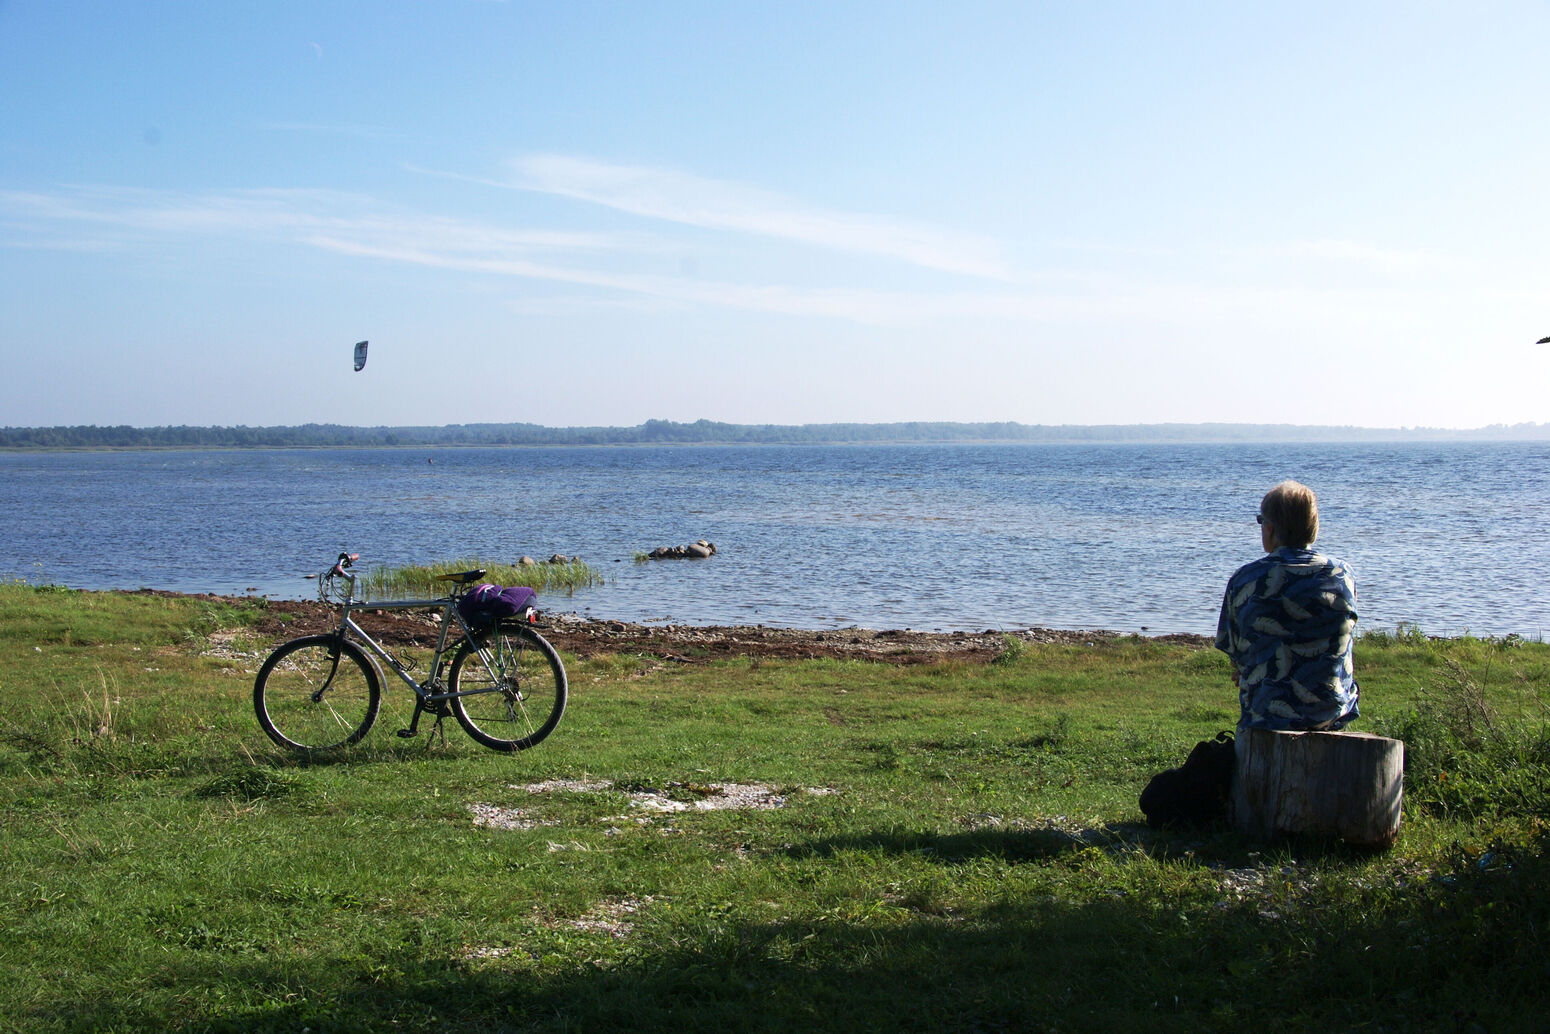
(1344, 784)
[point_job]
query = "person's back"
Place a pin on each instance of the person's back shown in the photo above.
(1287, 623)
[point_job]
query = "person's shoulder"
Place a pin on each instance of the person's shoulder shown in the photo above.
(1333, 564)
(1341, 572)
(1323, 572)
(1251, 570)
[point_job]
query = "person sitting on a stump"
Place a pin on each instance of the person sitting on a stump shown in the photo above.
(1287, 622)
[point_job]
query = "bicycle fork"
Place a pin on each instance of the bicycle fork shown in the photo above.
(333, 669)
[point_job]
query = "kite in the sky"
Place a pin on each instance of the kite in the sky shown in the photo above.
(1543, 341)
(360, 356)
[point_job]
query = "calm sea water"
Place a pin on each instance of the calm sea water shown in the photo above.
(1448, 536)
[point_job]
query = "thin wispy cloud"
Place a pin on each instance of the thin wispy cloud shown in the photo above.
(861, 306)
(175, 212)
(293, 214)
(1137, 303)
(628, 265)
(712, 204)
(351, 225)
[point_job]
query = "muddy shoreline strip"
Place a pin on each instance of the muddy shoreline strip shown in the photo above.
(588, 637)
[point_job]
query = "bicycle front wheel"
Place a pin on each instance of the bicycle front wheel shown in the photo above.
(317, 693)
(508, 688)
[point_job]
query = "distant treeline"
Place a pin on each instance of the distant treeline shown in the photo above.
(709, 432)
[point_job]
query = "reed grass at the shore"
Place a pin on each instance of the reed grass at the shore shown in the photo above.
(424, 580)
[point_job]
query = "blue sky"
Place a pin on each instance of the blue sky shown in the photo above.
(601, 213)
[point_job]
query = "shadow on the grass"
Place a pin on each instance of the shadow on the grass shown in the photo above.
(1441, 955)
(1212, 846)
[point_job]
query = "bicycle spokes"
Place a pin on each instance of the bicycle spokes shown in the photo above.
(333, 669)
(316, 693)
(509, 688)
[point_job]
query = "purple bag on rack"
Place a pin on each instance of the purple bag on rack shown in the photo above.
(490, 604)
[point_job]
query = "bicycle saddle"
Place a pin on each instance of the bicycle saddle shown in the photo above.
(461, 577)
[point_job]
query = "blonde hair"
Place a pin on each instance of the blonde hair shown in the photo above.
(1293, 512)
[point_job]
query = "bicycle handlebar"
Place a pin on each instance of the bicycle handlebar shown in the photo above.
(339, 570)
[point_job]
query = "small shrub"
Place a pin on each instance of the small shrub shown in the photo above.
(1403, 634)
(1462, 760)
(1011, 650)
(96, 717)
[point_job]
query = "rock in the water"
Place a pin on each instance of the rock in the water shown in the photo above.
(699, 550)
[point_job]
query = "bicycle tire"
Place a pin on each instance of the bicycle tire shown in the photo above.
(515, 694)
(316, 694)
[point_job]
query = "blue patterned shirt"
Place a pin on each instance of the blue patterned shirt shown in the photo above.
(1287, 622)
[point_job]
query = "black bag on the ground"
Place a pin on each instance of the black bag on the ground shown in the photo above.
(1195, 793)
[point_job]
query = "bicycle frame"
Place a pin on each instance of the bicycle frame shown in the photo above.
(424, 692)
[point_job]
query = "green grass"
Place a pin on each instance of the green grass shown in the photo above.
(974, 860)
(423, 580)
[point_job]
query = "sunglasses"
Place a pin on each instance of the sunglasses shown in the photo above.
(1259, 518)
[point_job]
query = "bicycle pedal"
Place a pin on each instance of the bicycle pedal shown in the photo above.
(408, 734)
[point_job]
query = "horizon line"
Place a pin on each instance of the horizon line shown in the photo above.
(810, 425)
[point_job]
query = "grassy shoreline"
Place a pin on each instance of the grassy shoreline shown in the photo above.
(957, 847)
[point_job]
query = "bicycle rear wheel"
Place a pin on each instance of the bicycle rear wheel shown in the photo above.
(316, 693)
(508, 686)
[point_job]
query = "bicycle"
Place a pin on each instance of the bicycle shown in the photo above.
(504, 683)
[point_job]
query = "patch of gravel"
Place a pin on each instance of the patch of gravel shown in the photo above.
(236, 644)
(669, 799)
(679, 797)
(613, 917)
(1269, 889)
(493, 816)
(564, 786)
(710, 797)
